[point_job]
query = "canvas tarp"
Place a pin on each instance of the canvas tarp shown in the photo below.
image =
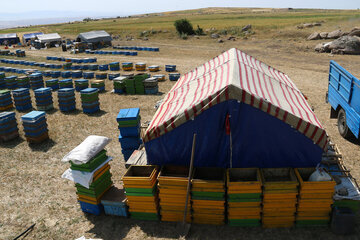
(94, 37)
(268, 115)
(8, 36)
(29, 36)
(51, 37)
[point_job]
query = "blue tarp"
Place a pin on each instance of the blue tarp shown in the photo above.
(11, 38)
(259, 140)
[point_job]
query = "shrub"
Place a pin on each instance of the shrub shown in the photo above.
(183, 26)
(199, 31)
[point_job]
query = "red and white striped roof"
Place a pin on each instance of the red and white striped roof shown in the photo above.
(236, 75)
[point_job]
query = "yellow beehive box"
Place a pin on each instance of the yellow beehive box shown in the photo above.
(140, 176)
(280, 179)
(307, 186)
(243, 180)
(208, 179)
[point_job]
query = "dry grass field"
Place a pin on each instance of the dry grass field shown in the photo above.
(32, 190)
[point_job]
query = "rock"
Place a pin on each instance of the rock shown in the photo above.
(231, 38)
(212, 29)
(334, 34)
(165, 31)
(355, 32)
(323, 35)
(220, 41)
(317, 24)
(246, 28)
(214, 35)
(314, 36)
(308, 25)
(145, 38)
(345, 45)
(322, 47)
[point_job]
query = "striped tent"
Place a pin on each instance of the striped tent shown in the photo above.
(245, 113)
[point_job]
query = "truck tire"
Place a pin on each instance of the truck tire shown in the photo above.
(342, 126)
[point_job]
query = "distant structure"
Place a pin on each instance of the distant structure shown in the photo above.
(47, 40)
(9, 38)
(28, 37)
(95, 39)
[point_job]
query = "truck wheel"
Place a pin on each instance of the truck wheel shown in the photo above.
(342, 126)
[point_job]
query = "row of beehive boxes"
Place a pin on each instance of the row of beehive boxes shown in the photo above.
(276, 197)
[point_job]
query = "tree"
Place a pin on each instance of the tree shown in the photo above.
(183, 26)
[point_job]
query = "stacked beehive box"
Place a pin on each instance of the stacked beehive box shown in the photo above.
(114, 66)
(88, 75)
(11, 82)
(172, 185)
(43, 98)
(244, 186)
(174, 76)
(141, 192)
(104, 67)
(35, 126)
(129, 125)
(127, 66)
(5, 100)
(36, 81)
(2, 80)
(8, 126)
(101, 75)
(55, 74)
(208, 196)
(160, 77)
(52, 83)
(140, 66)
(170, 68)
(99, 84)
(90, 198)
(22, 99)
(66, 98)
(76, 74)
(130, 85)
(81, 84)
(66, 74)
(23, 82)
(119, 84)
(66, 83)
(90, 100)
(112, 76)
(315, 199)
(139, 85)
(154, 68)
(279, 197)
(151, 85)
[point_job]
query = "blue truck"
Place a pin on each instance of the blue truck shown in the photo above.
(344, 98)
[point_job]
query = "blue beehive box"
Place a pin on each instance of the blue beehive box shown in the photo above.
(91, 208)
(170, 68)
(76, 74)
(22, 99)
(8, 126)
(88, 75)
(66, 98)
(174, 76)
(128, 143)
(127, 114)
(104, 67)
(66, 74)
(114, 202)
(112, 76)
(43, 98)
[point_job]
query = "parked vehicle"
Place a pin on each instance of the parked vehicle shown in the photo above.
(344, 98)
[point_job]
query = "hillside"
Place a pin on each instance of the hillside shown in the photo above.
(222, 20)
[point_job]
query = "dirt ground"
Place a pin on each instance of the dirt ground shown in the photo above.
(31, 187)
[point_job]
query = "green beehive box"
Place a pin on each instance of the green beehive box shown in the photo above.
(91, 97)
(144, 216)
(92, 164)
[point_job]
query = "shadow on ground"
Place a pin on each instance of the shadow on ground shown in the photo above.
(43, 146)
(114, 228)
(12, 143)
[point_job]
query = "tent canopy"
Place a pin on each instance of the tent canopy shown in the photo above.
(94, 37)
(271, 123)
(8, 36)
(28, 36)
(51, 37)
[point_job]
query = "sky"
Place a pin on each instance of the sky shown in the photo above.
(121, 7)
